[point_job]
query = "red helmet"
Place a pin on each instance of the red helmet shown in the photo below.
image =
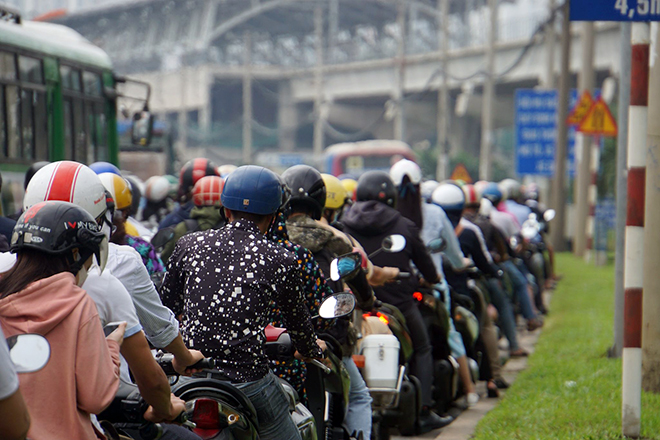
(194, 170)
(208, 190)
(472, 196)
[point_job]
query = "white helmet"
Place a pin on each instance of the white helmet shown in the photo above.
(69, 182)
(427, 187)
(486, 207)
(157, 189)
(75, 183)
(226, 169)
(449, 197)
(405, 167)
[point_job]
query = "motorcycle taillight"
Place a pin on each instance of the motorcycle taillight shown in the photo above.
(206, 415)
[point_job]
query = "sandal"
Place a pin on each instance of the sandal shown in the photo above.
(521, 352)
(493, 390)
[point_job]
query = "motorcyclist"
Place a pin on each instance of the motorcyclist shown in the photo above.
(55, 243)
(222, 281)
(88, 192)
(513, 202)
(191, 172)
(451, 199)
(498, 249)
(306, 205)
(407, 176)
(122, 196)
(372, 218)
(205, 215)
(157, 189)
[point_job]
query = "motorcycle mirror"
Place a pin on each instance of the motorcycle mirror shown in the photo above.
(344, 266)
(393, 243)
(162, 237)
(549, 215)
(28, 352)
(436, 245)
(337, 305)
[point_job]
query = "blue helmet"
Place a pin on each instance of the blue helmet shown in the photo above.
(105, 167)
(492, 192)
(252, 189)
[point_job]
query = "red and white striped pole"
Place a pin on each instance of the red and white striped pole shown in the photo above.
(634, 255)
(592, 199)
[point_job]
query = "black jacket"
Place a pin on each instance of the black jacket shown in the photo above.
(369, 223)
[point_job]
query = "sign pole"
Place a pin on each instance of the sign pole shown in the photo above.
(633, 270)
(621, 186)
(559, 181)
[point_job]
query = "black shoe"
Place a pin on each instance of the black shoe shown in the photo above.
(430, 421)
(501, 384)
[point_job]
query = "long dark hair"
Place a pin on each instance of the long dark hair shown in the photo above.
(409, 203)
(31, 265)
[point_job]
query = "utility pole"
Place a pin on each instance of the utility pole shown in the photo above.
(651, 299)
(559, 181)
(631, 388)
(442, 169)
(399, 74)
(247, 98)
(485, 156)
(621, 187)
(318, 83)
(586, 80)
(550, 39)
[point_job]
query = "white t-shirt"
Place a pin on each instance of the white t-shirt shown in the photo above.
(8, 377)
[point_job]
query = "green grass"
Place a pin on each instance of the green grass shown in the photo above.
(571, 389)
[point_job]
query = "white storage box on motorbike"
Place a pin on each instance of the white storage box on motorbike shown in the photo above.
(381, 360)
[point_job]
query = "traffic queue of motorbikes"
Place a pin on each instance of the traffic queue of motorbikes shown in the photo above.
(382, 347)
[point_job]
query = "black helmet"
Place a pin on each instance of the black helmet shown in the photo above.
(60, 228)
(194, 170)
(32, 170)
(307, 188)
(376, 185)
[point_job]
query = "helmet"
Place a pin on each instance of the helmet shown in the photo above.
(225, 170)
(156, 189)
(350, 185)
(405, 167)
(33, 169)
(532, 191)
(510, 189)
(119, 189)
(376, 185)
(427, 187)
(307, 188)
(472, 196)
(61, 228)
(480, 186)
(192, 171)
(207, 191)
(336, 194)
(174, 185)
(449, 197)
(105, 167)
(69, 182)
(252, 189)
(493, 193)
(136, 186)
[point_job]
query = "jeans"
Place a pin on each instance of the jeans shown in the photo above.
(455, 339)
(421, 363)
(520, 288)
(358, 416)
(503, 306)
(272, 407)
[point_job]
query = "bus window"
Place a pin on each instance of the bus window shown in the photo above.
(31, 70)
(12, 118)
(70, 78)
(92, 83)
(7, 66)
(97, 131)
(27, 125)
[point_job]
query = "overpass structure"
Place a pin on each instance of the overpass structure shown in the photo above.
(238, 77)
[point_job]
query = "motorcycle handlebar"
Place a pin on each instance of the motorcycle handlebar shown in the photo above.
(165, 363)
(321, 365)
(403, 276)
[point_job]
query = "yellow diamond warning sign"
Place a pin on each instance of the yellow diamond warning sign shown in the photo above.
(461, 173)
(598, 121)
(581, 109)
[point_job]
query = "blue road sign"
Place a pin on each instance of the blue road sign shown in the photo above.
(536, 132)
(615, 10)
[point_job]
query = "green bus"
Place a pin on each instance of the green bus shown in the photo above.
(58, 100)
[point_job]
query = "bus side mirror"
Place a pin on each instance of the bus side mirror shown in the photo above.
(142, 128)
